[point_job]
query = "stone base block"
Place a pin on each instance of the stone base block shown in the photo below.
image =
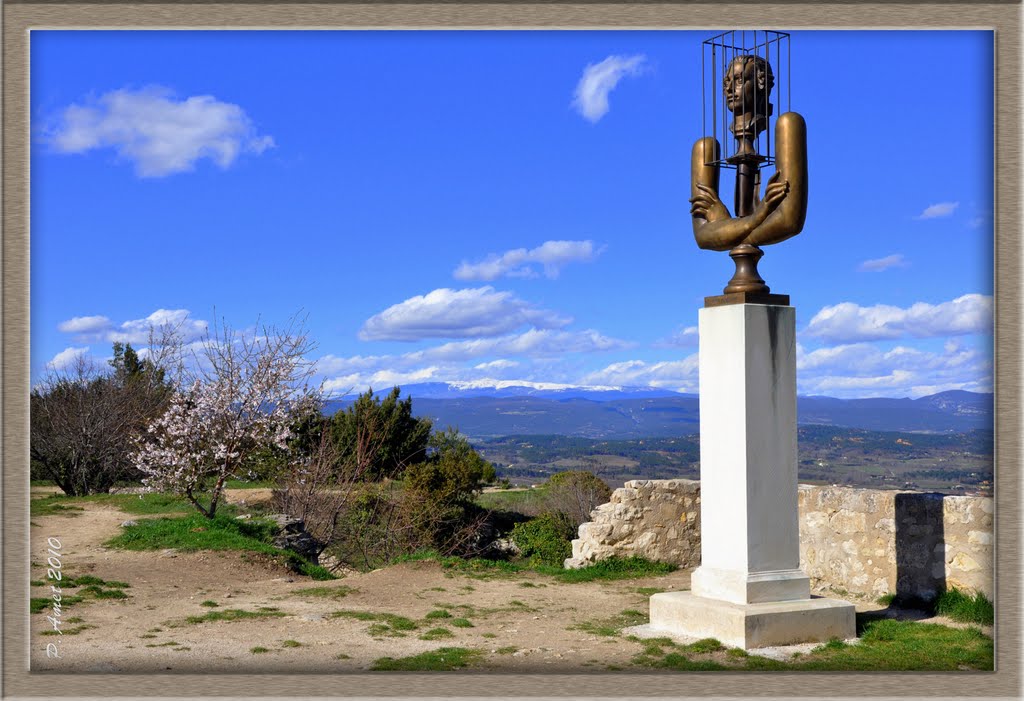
(753, 625)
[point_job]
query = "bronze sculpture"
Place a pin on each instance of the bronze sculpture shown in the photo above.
(777, 216)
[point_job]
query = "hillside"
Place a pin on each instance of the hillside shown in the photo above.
(624, 413)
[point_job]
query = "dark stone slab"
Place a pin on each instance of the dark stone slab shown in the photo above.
(747, 298)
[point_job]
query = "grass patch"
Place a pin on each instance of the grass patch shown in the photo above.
(328, 592)
(704, 646)
(439, 613)
(966, 608)
(342, 656)
(477, 567)
(37, 583)
(508, 650)
(891, 645)
(612, 626)
(488, 635)
(387, 624)
(648, 591)
(611, 569)
(291, 643)
(460, 623)
(358, 615)
(249, 484)
(258, 650)
(68, 631)
(234, 615)
(99, 592)
(437, 634)
(40, 604)
(196, 532)
(441, 660)
(169, 643)
(209, 604)
(886, 599)
(129, 503)
(525, 501)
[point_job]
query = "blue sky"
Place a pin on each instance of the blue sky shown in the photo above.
(477, 206)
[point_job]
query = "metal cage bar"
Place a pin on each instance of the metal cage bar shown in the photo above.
(717, 54)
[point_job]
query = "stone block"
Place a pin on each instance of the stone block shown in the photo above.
(751, 626)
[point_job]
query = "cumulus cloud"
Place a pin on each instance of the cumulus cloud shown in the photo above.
(533, 343)
(551, 255)
(677, 375)
(864, 369)
(138, 330)
(100, 329)
(446, 313)
(847, 321)
(877, 265)
(85, 324)
(936, 211)
(599, 79)
(67, 358)
(158, 133)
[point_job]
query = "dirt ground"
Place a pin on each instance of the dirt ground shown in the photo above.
(521, 623)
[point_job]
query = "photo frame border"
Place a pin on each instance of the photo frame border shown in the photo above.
(1004, 18)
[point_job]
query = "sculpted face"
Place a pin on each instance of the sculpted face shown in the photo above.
(746, 85)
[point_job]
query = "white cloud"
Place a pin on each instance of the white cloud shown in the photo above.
(446, 313)
(100, 329)
(138, 330)
(500, 364)
(877, 265)
(67, 358)
(84, 324)
(864, 369)
(599, 79)
(161, 135)
(847, 321)
(935, 211)
(680, 339)
(552, 255)
(533, 343)
(677, 375)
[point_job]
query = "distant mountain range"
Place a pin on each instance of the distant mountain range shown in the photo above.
(488, 410)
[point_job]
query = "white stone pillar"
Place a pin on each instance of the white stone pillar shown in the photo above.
(750, 536)
(749, 590)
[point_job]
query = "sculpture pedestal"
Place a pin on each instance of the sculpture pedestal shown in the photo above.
(750, 578)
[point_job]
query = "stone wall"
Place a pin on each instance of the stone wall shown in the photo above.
(863, 541)
(655, 519)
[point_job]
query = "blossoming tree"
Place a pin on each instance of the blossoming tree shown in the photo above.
(242, 397)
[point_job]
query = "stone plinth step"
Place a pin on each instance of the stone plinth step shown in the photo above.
(750, 626)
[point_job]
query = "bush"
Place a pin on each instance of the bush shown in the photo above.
(545, 539)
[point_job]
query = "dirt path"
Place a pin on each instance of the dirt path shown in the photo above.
(524, 622)
(519, 623)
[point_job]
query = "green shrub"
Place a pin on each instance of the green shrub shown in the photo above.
(576, 493)
(545, 539)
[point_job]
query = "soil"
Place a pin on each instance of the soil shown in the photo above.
(523, 622)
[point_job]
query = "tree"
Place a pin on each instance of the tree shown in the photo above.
(576, 493)
(84, 419)
(243, 399)
(380, 437)
(438, 496)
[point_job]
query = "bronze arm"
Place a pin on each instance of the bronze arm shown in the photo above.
(713, 227)
(787, 219)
